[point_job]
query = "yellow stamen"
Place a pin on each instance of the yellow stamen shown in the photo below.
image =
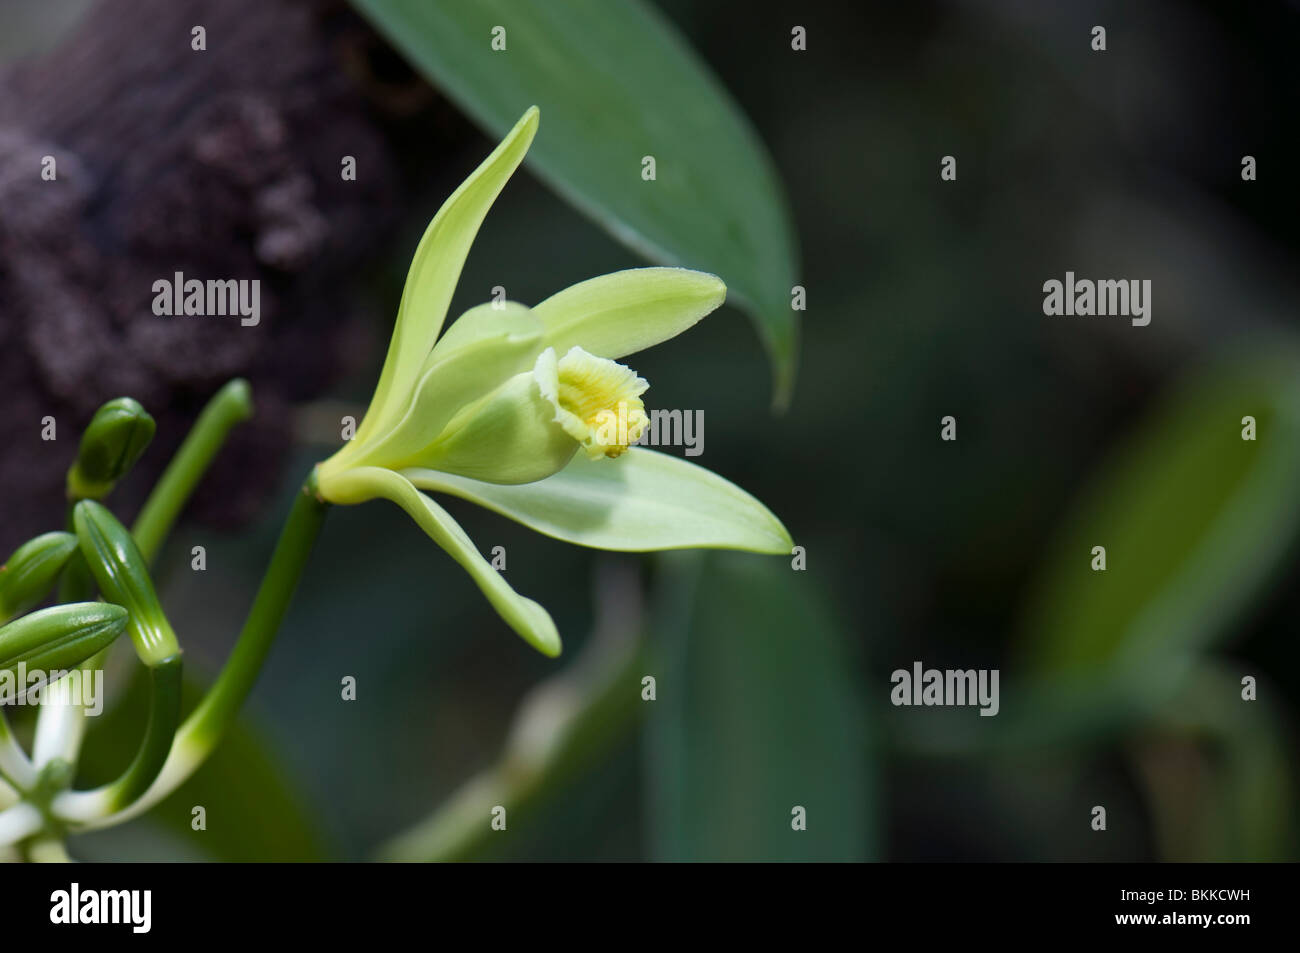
(597, 401)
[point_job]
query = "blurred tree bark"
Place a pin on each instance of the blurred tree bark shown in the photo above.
(221, 163)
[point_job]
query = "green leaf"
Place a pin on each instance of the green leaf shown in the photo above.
(616, 83)
(435, 269)
(641, 501)
(1193, 519)
(756, 715)
(628, 311)
(529, 619)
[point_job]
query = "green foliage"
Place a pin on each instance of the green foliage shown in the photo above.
(756, 714)
(616, 83)
(1193, 518)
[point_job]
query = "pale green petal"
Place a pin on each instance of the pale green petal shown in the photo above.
(484, 323)
(628, 311)
(435, 269)
(510, 436)
(483, 349)
(643, 500)
(525, 616)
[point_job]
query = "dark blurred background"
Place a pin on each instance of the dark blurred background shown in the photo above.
(924, 300)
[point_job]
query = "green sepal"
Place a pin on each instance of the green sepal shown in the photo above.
(160, 734)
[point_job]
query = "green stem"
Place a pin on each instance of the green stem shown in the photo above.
(231, 405)
(214, 714)
(585, 710)
(164, 715)
(204, 728)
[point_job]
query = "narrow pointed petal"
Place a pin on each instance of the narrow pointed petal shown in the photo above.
(628, 311)
(525, 616)
(642, 501)
(435, 269)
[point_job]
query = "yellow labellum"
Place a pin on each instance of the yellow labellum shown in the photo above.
(597, 401)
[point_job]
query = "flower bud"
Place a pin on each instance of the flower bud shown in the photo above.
(29, 574)
(119, 568)
(57, 640)
(114, 440)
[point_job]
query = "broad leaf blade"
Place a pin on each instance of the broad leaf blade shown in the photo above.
(616, 83)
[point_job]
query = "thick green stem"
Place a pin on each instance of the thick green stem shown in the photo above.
(204, 728)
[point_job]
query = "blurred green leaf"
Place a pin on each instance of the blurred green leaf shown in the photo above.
(1194, 519)
(253, 814)
(566, 725)
(755, 714)
(615, 83)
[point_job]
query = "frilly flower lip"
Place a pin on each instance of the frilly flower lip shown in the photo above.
(597, 402)
(527, 412)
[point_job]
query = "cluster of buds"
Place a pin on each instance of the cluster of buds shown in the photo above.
(97, 555)
(522, 410)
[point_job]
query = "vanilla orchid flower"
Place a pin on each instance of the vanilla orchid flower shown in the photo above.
(525, 411)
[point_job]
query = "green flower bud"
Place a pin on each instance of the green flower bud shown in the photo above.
(31, 571)
(56, 640)
(119, 568)
(116, 437)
